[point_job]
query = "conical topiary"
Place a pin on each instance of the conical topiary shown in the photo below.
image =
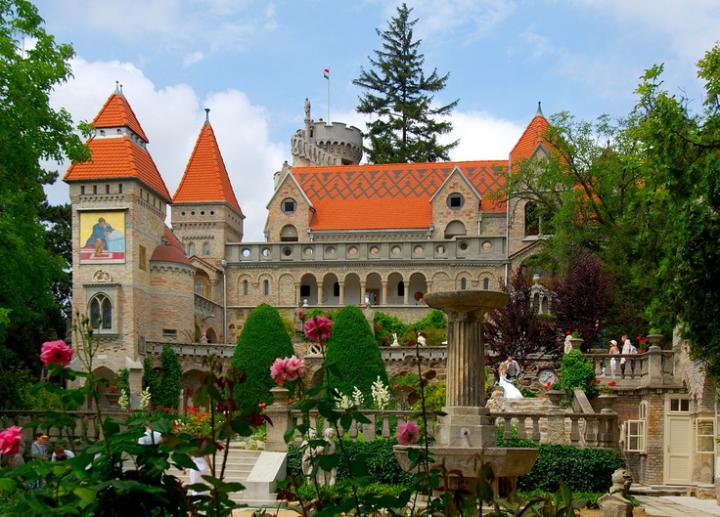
(262, 340)
(353, 349)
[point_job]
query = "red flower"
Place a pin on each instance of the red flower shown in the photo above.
(56, 352)
(262, 405)
(567, 332)
(597, 381)
(10, 440)
(287, 369)
(301, 315)
(113, 389)
(318, 328)
(548, 385)
(612, 384)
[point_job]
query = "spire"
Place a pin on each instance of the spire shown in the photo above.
(539, 112)
(206, 178)
(207, 115)
(117, 113)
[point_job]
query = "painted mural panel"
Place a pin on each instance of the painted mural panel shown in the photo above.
(102, 237)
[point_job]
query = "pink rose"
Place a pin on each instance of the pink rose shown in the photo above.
(287, 369)
(407, 433)
(10, 440)
(318, 328)
(56, 352)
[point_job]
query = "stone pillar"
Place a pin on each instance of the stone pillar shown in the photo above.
(655, 374)
(298, 298)
(466, 360)
(279, 414)
(406, 294)
(385, 292)
(362, 292)
(342, 292)
(135, 369)
(320, 293)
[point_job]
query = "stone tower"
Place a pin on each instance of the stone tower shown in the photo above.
(325, 143)
(205, 212)
(119, 203)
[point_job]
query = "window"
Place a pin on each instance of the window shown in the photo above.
(454, 229)
(486, 283)
(142, 258)
(336, 289)
(705, 435)
(266, 287)
(455, 201)
(245, 287)
(82, 190)
(202, 285)
(635, 435)
(206, 248)
(107, 189)
(532, 219)
(463, 283)
(401, 288)
(642, 410)
(680, 405)
(288, 205)
(94, 189)
(288, 233)
(120, 188)
(101, 312)
(191, 249)
(171, 333)
(304, 291)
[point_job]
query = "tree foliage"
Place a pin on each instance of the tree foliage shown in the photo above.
(262, 340)
(399, 95)
(353, 350)
(167, 393)
(31, 65)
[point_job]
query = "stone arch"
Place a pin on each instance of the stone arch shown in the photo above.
(288, 233)
(192, 380)
(108, 397)
(418, 288)
(265, 285)
(244, 284)
(441, 282)
(309, 290)
(351, 288)
(463, 281)
(492, 284)
(531, 219)
(211, 335)
(455, 229)
(330, 289)
(286, 290)
(395, 289)
(373, 289)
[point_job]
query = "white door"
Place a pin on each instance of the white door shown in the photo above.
(678, 450)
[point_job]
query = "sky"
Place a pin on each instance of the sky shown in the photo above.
(253, 63)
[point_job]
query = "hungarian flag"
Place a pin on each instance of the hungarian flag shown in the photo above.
(326, 73)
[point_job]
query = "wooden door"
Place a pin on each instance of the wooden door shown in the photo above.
(678, 450)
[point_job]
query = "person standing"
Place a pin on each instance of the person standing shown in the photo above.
(627, 349)
(512, 368)
(38, 449)
(614, 350)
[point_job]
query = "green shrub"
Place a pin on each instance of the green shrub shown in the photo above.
(514, 440)
(433, 319)
(353, 350)
(167, 393)
(149, 379)
(584, 470)
(576, 372)
(314, 312)
(123, 381)
(262, 340)
(385, 325)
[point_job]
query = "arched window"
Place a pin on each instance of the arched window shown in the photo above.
(191, 249)
(486, 283)
(206, 248)
(532, 219)
(463, 283)
(266, 287)
(401, 288)
(454, 229)
(202, 284)
(101, 312)
(288, 233)
(245, 288)
(336, 289)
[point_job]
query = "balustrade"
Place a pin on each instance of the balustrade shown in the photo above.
(652, 368)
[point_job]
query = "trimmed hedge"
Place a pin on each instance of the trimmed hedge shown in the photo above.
(583, 470)
(353, 350)
(576, 372)
(262, 340)
(167, 392)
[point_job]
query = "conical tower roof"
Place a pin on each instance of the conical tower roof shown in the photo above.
(206, 178)
(117, 113)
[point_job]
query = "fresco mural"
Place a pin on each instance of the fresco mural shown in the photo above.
(102, 237)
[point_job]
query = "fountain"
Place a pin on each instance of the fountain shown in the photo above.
(466, 435)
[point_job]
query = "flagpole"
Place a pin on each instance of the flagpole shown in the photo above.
(328, 104)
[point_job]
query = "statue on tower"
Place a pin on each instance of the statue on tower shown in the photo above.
(307, 108)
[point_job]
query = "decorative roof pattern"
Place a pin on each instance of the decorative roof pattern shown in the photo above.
(118, 158)
(531, 138)
(117, 113)
(393, 195)
(206, 178)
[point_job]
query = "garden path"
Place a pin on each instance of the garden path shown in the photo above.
(679, 506)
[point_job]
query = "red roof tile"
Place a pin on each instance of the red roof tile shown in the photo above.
(118, 158)
(169, 253)
(530, 139)
(206, 178)
(395, 195)
(117, 113)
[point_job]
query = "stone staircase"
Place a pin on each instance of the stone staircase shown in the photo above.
(527, 405)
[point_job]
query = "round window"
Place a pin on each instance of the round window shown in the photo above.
(288, 205)
(287, 252)
(245, 252)
(455, 200)
(265, 252)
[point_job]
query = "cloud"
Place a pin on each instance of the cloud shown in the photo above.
(172, 117)
(192, 58)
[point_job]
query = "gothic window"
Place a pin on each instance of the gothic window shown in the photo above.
(532, 219)
(245, 288)
(266, 287)
(401, 288)
(101, 312)
(486, 283)
(454, 229)
(191, 249)
(463, 283)
(288, 205)
(206, 248)
(455, 201)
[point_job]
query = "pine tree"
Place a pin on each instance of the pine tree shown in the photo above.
(400, 96)
(168, 389)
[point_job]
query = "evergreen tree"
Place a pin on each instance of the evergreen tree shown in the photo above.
(168, 389)
(262, 340)
(150, 379)
(353, 350)
(399, 95)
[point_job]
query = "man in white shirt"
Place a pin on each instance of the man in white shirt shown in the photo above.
(627, 349)
(150, 437)
(60, 453)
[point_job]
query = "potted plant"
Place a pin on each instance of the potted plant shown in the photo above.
(554, 392)
(655, 337)
(575, 337)
(607, 396)
(643, 343)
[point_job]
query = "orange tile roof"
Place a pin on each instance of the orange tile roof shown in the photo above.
(170, 252)
(531, 137)
(116, 113)
(118, 157)
(394, 195)
(206, 178)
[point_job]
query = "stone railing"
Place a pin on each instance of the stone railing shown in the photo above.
(465, 248)
(404, 353)
(187, 349)
(655, 367)
(205, 308)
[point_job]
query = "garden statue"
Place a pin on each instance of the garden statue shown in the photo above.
(615, 503)
(328, 477)
(421, 340)
(395, 339)
(495, 402)
(568, 344)
(309, 453)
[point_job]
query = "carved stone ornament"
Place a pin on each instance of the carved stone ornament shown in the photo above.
(101, 276)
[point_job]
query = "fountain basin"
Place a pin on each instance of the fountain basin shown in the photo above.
(464, 301)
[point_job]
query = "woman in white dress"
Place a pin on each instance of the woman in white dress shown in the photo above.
(202, 463)
(511, 392)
